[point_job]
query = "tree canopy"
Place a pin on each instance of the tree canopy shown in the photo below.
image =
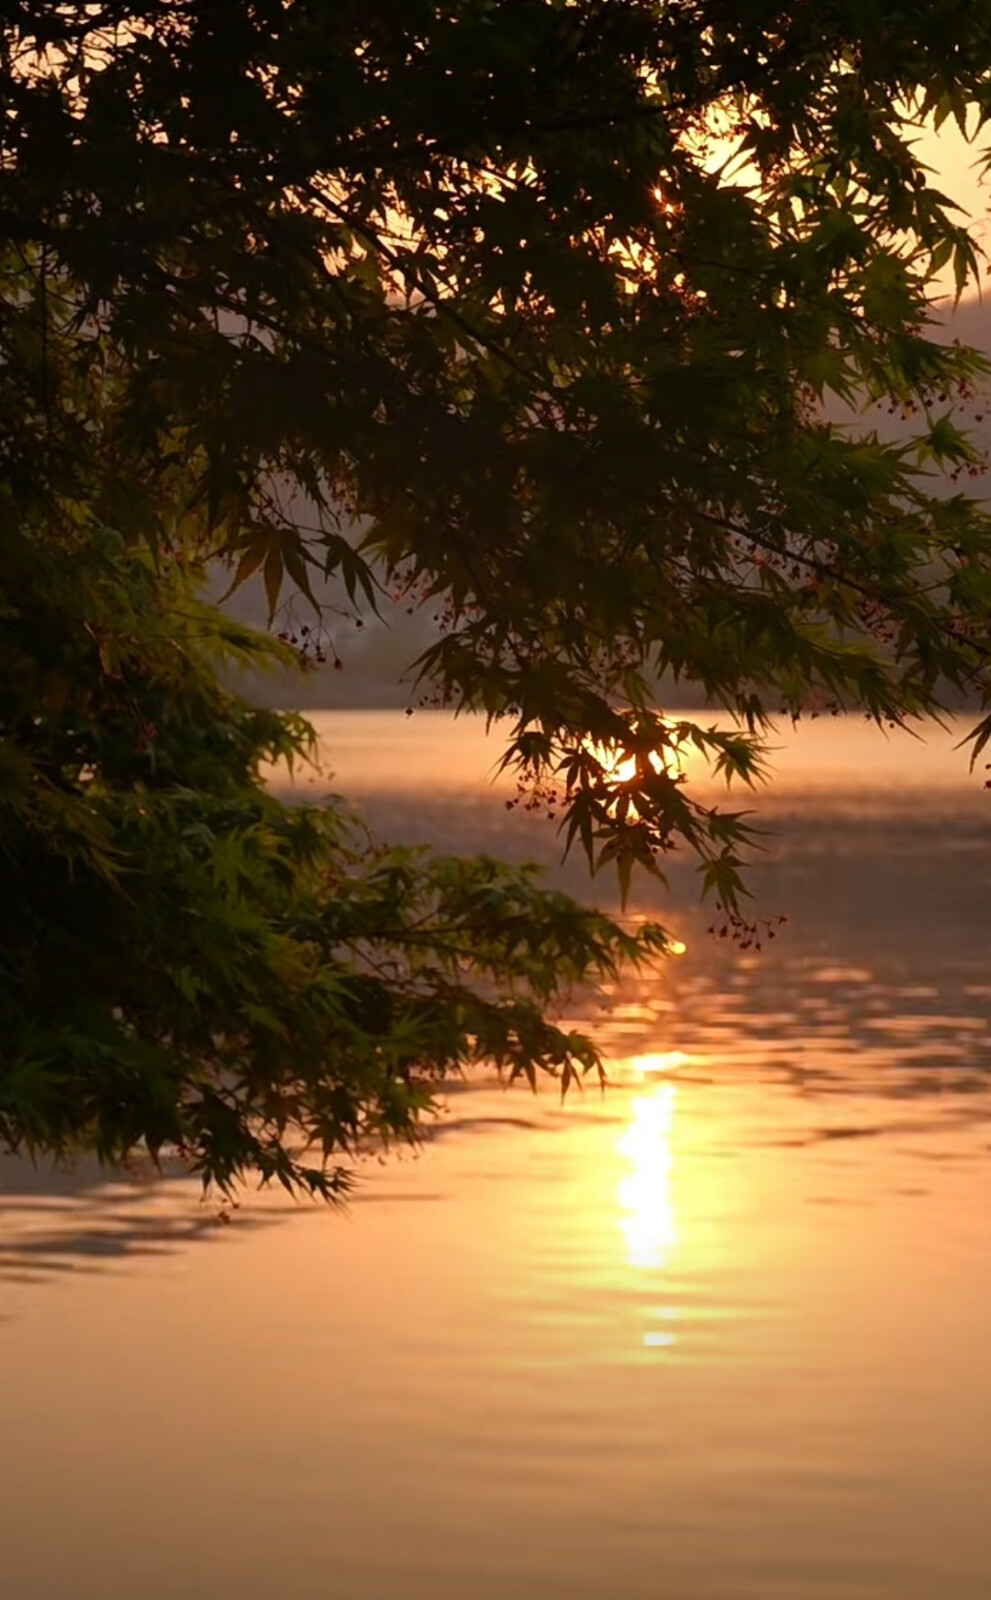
(532, 308)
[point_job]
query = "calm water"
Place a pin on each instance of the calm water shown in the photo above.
(723, 1333)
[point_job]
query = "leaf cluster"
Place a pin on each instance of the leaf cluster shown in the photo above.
(185, 963)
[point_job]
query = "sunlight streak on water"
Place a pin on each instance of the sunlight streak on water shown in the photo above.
(659, 1061)
(645, 1194)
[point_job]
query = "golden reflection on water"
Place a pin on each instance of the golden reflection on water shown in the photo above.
(659, 1061)
(645, 1193)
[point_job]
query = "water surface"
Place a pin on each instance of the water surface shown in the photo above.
(723, 1333)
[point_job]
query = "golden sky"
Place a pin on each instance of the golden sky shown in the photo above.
(956, 168)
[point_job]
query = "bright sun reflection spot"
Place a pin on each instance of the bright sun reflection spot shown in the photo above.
(658, 1061)
(618, 767)
(645, 1197)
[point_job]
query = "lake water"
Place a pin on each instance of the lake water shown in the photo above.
(723, 1333)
